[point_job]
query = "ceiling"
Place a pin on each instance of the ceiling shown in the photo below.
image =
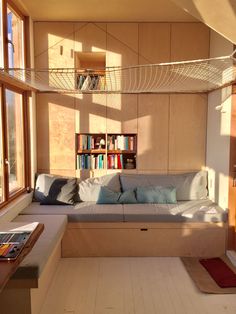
(104, 10)
(221, 16)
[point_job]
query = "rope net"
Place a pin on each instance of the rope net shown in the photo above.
(195, 76)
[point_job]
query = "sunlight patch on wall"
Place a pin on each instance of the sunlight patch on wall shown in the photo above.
(224, 190)
(211, 184)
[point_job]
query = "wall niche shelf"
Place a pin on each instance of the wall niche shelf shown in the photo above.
(90, 75)
(105, 151)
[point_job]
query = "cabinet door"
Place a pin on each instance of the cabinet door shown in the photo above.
(54, 44)
(90, 37)
(122, 111)
(153, 116)
(187, 136)
(90, 113)
(55, 133)
(122, 44)
(154, 42)
(189, 41)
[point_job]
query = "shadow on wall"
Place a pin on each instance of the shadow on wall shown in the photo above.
(61, 116)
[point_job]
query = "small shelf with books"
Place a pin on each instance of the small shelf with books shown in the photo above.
(90, 74)
(121, 151)
(105, 151)
(90, 151)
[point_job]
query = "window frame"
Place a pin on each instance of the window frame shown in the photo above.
(13, 7)
(6, 194)
(12, 86)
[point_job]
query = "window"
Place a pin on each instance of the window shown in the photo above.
(13, 168)
(1, 160)
(15, 37)
(15, 140)
(14, 159)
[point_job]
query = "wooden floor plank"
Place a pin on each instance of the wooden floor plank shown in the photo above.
(153, 285)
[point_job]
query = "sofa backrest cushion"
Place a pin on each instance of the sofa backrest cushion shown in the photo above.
(89, 189)
(55, 190)
(189, 186)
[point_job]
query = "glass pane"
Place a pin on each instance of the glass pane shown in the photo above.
(1, 159)
(15, 40)
(15, 140)
(1, 37)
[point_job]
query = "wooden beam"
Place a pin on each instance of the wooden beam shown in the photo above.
(7, 79)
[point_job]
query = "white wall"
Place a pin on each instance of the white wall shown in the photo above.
(218, 130)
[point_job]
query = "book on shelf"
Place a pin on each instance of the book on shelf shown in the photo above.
(90, 82)
(88, 142)
(121, 142)
(86, 161)
(115, 161)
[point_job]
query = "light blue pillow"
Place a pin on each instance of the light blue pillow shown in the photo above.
(107, 196)
(156, 194)
(128, 197)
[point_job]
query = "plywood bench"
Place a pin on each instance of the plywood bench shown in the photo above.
(28, 286)
(193, 228)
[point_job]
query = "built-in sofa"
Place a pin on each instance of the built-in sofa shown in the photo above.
(193, 226)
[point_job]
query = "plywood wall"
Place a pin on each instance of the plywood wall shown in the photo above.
(171, 128)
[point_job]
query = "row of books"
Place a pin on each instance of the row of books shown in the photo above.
(115, 161)
(90, 142)
(121, 142)
(90, 82)
(86, 161)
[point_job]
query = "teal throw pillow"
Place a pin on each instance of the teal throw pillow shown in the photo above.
(128, 197)
(107, 196)
(156, 194)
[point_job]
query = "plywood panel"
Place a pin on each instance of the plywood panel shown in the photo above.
(170, 241)
(122, 44)
(90, 37)
(154, 42)
(54, 44)
(55, 132)
(122, 113)
(153, 115)
(187, 142)
(90, 113)
(189, 41)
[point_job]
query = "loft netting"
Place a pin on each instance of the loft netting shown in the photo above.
(195, 76)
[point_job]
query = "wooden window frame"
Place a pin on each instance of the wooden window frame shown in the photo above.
(13, 7)
(25, 104)
(8, 197)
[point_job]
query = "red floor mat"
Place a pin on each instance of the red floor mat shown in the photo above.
(220, 272)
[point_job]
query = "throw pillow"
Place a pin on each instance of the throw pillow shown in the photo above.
(55, 190)
(107, 196)
(89, 189)
(156, 194)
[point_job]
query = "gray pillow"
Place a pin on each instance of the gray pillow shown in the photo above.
(189, 186)
(89, 189)
(55, 190)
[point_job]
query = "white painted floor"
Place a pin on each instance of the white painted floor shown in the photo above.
(129, 286)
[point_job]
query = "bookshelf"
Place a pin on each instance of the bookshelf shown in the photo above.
(90, 71)
(105, 151)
